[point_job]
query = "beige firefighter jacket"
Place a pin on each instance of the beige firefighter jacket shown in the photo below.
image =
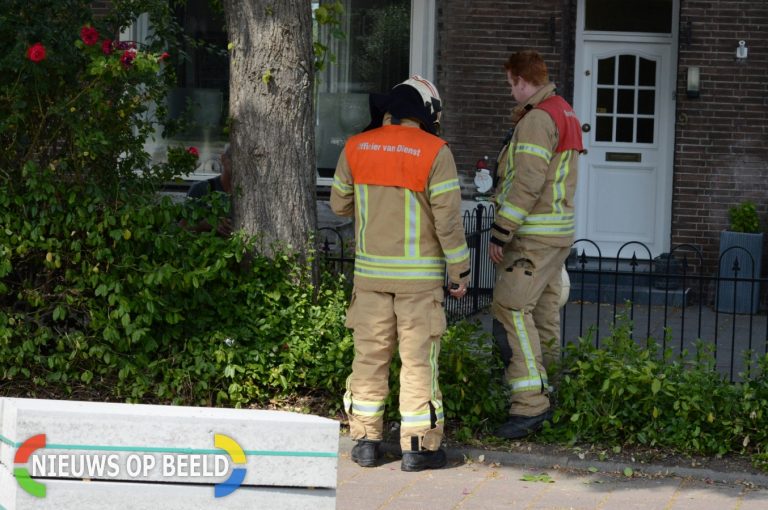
(403, 238)
(535, 193)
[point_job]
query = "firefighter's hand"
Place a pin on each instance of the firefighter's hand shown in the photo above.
(496, 253)
(458, 292)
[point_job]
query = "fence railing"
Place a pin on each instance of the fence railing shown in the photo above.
(669, 298)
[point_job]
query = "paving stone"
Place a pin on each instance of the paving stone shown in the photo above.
(498, 485)
(707, 496)
(444, 488)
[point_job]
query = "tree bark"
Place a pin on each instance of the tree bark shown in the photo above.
(272, 120)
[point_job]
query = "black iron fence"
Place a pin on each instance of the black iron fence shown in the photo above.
(477, 226)
(670, 298)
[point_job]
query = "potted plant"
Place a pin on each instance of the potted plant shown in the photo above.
(742, 243)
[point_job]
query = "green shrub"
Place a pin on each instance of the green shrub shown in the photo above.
(472, 380)
(627, 394)
(111, 298)
(743, 218)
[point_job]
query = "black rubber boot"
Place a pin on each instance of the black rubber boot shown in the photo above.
(425, 459)
(366, 452)
(520, 426)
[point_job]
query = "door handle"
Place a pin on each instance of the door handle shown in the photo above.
(586, 127)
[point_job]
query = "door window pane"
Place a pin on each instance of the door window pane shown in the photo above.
(606, 69)
(604, 129)
(624, 129)
(647, 72)
(626, 102)
(604, 100)
(644, 130)
(653, 16)
(627, 69)
(646, 102)
(373, 57)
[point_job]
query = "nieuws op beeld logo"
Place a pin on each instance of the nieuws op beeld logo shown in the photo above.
(105, 465)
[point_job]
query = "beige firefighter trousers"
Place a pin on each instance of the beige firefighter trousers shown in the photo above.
(380, 320)
(525, 301)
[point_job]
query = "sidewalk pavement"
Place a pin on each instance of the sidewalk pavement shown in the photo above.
(478, 479)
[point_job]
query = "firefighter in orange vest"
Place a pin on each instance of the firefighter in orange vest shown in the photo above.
(399, 180)
(532, 234)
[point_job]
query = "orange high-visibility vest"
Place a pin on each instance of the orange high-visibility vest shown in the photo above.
(393, 155)
(568, 125)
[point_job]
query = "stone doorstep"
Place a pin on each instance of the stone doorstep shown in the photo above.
(281, 448)
(98, 495)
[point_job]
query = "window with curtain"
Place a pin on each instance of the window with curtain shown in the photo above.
(372, 57)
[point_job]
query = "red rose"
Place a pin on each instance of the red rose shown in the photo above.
(194, 151)
(106, 46)
(36, 52)
(89, 35)
(164, 56)
(127, 57)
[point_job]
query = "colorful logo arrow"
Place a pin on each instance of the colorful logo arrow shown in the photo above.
(25, 481)
(237, 455)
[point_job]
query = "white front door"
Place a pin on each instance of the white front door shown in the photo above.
(624, 97)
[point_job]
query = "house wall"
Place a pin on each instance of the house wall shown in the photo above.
(720, 138)
(721, 147)
(474, 40)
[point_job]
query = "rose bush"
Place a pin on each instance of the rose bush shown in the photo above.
(69, 101)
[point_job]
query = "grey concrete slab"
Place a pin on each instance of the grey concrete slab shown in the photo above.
(281, 448)
(101, 495)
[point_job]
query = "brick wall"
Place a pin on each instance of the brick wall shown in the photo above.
(474, 40)
(720, 137)
(721, 148)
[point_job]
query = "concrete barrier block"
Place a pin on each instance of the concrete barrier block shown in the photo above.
(280, 448)
(100, 495)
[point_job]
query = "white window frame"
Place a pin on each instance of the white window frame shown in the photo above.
(423, 16)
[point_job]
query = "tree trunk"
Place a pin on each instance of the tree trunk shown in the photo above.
(272, 120)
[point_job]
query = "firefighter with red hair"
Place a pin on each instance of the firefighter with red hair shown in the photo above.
(532, 234)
